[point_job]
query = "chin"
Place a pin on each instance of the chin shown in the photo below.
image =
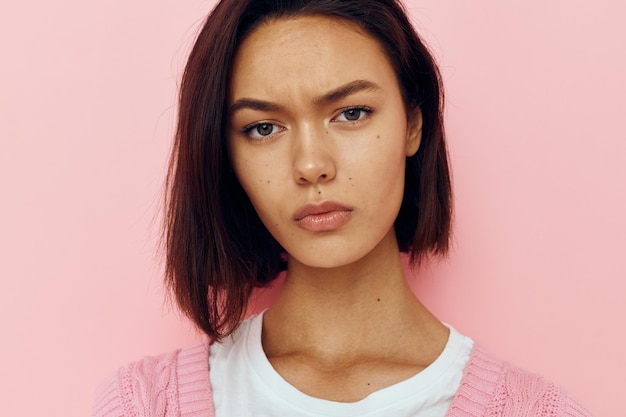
(328, 259)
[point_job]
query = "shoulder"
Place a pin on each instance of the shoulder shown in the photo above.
(168, 385)
(494, 388)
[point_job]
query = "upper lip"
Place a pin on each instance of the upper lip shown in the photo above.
(313, 209)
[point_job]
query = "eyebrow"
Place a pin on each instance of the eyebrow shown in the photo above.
(346, 90)
(330, 97)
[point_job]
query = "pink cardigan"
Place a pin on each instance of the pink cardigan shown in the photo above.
(177, 384)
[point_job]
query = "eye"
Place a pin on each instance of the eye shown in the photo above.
(261, 130)
(353, 114)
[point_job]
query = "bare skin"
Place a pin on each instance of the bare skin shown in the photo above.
(342, 339)
(346, 323)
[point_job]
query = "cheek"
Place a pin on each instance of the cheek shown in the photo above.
(254, 186)
(259, 186)
(380, 159)
(379, 172)
(253, 165)
(250, 172)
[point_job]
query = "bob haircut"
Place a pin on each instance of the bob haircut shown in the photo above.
(217, 248)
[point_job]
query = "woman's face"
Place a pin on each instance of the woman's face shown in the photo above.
(318, 138)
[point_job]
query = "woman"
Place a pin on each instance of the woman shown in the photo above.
(310, 139)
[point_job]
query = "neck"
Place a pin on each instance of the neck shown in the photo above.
(332, 311)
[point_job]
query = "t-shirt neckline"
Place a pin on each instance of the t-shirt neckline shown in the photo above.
(407, 390)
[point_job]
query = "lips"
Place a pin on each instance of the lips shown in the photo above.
(322, 217)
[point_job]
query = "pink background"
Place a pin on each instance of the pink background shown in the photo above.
(535, 123)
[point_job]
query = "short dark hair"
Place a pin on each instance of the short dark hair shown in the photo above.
(217, 248)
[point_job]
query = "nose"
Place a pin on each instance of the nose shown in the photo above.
(313, 158)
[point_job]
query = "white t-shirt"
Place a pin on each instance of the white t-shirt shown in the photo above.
(244, 383)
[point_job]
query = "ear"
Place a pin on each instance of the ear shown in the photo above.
(414, 131)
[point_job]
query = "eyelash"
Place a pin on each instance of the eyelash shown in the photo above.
(249, 128)
(367, 110)
(246, 131)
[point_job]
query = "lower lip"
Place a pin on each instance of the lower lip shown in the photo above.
(324, 222)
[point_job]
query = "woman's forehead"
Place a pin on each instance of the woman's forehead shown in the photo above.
(306, 55)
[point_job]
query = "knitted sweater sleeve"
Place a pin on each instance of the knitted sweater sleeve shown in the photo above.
(492, 388)
(174, 384)
(521, 391)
